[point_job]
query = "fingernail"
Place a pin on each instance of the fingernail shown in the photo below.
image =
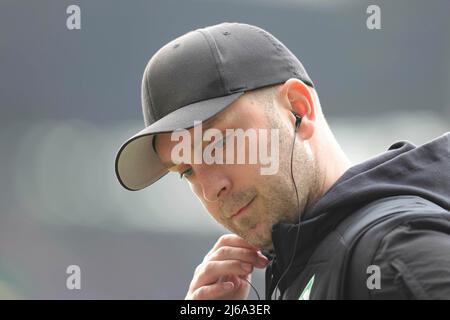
(263, 259)
(261, 255)
(227, 285)
(246, 267)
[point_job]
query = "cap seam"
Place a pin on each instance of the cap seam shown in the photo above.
(216, 63)
(280, 48)
(150, 98)
(155, 116)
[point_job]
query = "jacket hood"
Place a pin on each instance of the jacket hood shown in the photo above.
(404, 169)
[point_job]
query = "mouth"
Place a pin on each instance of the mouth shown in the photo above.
(242, 210)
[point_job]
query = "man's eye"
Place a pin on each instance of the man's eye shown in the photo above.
(219, 144)
(223, 142)
(186, 173)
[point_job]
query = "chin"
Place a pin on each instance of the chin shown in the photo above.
(267, 246)
(261, 243)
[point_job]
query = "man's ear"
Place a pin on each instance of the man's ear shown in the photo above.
(297, 98)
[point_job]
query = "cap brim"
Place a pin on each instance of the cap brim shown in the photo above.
(137, 164)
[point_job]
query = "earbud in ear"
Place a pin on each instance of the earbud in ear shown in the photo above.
(298, 120)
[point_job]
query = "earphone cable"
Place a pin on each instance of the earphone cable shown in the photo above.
(299, 214)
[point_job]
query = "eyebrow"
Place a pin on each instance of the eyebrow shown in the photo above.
(205, 126)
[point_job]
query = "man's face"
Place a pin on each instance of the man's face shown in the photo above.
(238, 196)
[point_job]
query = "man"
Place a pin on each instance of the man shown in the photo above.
(323, 228)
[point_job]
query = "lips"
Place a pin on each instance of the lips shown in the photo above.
(241, 211)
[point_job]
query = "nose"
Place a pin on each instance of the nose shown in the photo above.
(214, 181)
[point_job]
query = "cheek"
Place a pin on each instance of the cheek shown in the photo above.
(245, 176)
(211, 207)
(213, 210)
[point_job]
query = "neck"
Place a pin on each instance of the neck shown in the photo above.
(331, 160)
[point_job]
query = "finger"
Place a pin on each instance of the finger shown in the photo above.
(213, 291)
(211, 271)
(232, 240)
(240, 281)
(242, 254)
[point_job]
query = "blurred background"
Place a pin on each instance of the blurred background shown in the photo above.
(69, 98)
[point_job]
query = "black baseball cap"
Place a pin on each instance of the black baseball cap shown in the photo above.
(193, 78)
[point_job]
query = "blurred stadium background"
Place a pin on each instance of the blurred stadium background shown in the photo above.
(68, 99)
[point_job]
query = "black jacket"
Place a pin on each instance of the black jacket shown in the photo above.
(413, 255)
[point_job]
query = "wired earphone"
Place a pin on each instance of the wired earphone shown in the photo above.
(298, 121)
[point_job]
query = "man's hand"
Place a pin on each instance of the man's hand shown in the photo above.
(224, 270)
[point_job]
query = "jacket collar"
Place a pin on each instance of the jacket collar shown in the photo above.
(285, 240)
